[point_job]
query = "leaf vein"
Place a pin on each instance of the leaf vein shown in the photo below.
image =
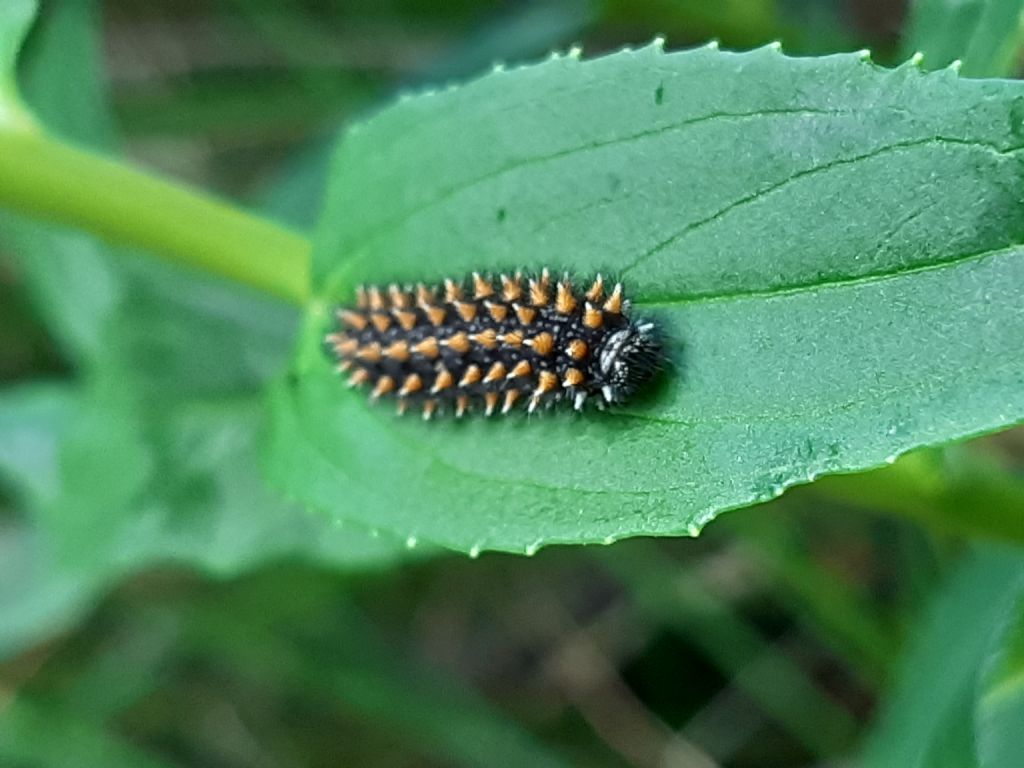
(450, 192)
(839, 282)
(678, 236)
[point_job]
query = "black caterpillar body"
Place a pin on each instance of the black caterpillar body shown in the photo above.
(493, 344)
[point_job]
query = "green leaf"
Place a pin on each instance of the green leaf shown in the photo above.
(181, 487)
(33, 421)
(109, 308)
(174, 365)
(675, 597)
(177, 488)
(179, 334)
(16, 17)
(832, 250)
(135, 319)
(35, 591)
(927, 721)
(417, 705)
(999, 711)
(954, 488)
(986, 35)
(70, 281)
(41, 735)
(150, 333)
(62, 75)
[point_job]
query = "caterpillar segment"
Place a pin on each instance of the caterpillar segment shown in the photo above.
(494, 344)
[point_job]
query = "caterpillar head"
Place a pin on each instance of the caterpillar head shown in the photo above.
(627, 360)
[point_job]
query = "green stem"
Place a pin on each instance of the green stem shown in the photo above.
(43, 177)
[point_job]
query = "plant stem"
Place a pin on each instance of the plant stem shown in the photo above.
(43, 177)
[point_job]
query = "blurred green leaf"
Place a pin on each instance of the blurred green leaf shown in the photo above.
(676, 598)
(70, 281)
(162, 329)
(42, 734)
(154, 460)
(62, 74)
(124, 493)
(999, 712)
(16, 17)
(35, 592)
(180, 486)
(25, 346)
(845, 616)
(294, 194)
(33, 421)
(740, 23)
(70, 278)
(927, 721)
(986, 35)
(797, 226)
(242, 110)
(525, 30)
(953, 488)
(178, 334)
(419, 706)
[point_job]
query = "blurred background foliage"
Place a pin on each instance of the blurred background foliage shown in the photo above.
(208, 623)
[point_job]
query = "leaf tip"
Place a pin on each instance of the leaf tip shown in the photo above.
(864, 54)
(955, 65)
(712, 44)
(916, 59)
(775, 45)
(658, 43)
(411, 542)
(531, 549)
(576, 52)
(608, 540)
(474, 551)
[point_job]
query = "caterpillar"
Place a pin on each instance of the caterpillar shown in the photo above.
(494, 343)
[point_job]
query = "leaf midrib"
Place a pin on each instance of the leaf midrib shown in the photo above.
(846, 282)
(824, 168)
(420, 446)
(796, 289)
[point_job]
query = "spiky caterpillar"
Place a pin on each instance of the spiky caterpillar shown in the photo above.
(494, 346)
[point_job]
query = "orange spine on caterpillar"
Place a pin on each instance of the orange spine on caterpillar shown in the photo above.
(494, 344)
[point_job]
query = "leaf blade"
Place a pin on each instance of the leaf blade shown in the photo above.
(16, 17)
(927, 720)
(797, 226)
(999, 707)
